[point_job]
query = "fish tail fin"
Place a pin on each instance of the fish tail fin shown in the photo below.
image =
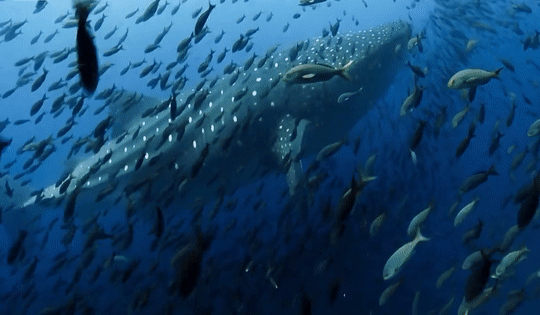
(496, 72)
(419, 237)
(344, 72)
(492, 170)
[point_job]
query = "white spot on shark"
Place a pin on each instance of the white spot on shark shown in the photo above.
(194, 144)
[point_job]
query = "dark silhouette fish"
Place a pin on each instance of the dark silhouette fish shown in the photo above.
(202, 19)
(475, 180)
(478, 279)
(16, 248)
(529, 204)
(148, 13)
(86, 51)
(3, 144)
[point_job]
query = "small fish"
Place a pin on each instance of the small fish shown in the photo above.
(495, 142)
(389, 291)
(458, 118)
(532, 42)
(16, 247)
(471, 44)
(464, 212)
(509, 260)
(162, 8)
(529, 204)
(471, 79)
(417, 137)
(507, 64)
(478, 279)
(111, 33)
(50, 37)
(99, 23)
(464, 144)
(473, 233)
(412, 101)
(401, 256)
(39, 81)
(201, 21)
(347, 95)
(335, 27)
(417, 70)
(149, 12)
(311, 73)
(534, 129)
(240, 19)
(309, 2)
(475, 180)
(132, 13)
(329, 150)
(86, 51)
(286, 27)
(3, 144)
(511, 115)
(482, 113)
(418, 220)
(36, 38)
(101, 9)
(444, 276)
(113, 51)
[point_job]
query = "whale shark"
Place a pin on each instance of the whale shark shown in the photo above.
(244, 125)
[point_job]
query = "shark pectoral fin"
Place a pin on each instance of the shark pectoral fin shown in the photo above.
(288, 147)
(295, 176)
(128, 110)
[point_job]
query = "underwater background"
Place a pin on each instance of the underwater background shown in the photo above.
(258, 248)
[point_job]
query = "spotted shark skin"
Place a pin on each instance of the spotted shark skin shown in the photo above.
(238, 131)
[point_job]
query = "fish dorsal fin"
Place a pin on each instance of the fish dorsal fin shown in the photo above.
(128, 109)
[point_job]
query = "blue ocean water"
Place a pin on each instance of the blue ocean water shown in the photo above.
(272, 252)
